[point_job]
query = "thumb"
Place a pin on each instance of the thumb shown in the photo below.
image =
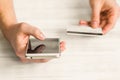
(31, 30)
(95, 19)
(36, 33)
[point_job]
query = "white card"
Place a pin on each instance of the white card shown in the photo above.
(83, 30)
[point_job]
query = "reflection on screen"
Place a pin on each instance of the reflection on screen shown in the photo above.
(46, 46)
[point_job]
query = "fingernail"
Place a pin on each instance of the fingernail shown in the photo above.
(94, 24)
(42, 36)
(104, 32)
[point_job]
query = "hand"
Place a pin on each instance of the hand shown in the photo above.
(104, 14)
(18, 36)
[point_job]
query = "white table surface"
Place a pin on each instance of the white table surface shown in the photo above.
(86, 58)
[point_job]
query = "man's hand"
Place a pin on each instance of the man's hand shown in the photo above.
(104, 14)
(18, 36)
(18, 33)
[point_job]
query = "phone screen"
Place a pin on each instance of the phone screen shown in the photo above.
(49, 45)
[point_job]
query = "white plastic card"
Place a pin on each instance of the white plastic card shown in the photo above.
(83, 30)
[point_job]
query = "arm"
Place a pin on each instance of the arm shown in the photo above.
(9, 25)
(7, 14)
(17, 33)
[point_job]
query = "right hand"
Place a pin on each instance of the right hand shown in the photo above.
(104, 14)
(18, 36)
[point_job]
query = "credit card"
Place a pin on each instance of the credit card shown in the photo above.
(83, 30)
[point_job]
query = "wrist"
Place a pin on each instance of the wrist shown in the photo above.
(7, 25)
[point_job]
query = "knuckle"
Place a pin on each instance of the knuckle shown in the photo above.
(95, 17)
(17, 54)
(22, 25)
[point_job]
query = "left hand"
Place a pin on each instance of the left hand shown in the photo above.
(104, 14)
(18, 36)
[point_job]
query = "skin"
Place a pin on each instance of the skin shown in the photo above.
(104, 14)
(17, 33)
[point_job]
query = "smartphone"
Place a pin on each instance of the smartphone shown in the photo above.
(46, 49)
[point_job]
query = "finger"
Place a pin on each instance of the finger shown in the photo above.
(95, 19)
(20, 51)
(24, 60)
(31, 30)
(111, 22)
(102, 23)
(62, 48)
(63, 43)
(82, 22)
(118, 11)
(107, 28)
(103, 18)
(40, 60)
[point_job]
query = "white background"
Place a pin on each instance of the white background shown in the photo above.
(86, 58)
